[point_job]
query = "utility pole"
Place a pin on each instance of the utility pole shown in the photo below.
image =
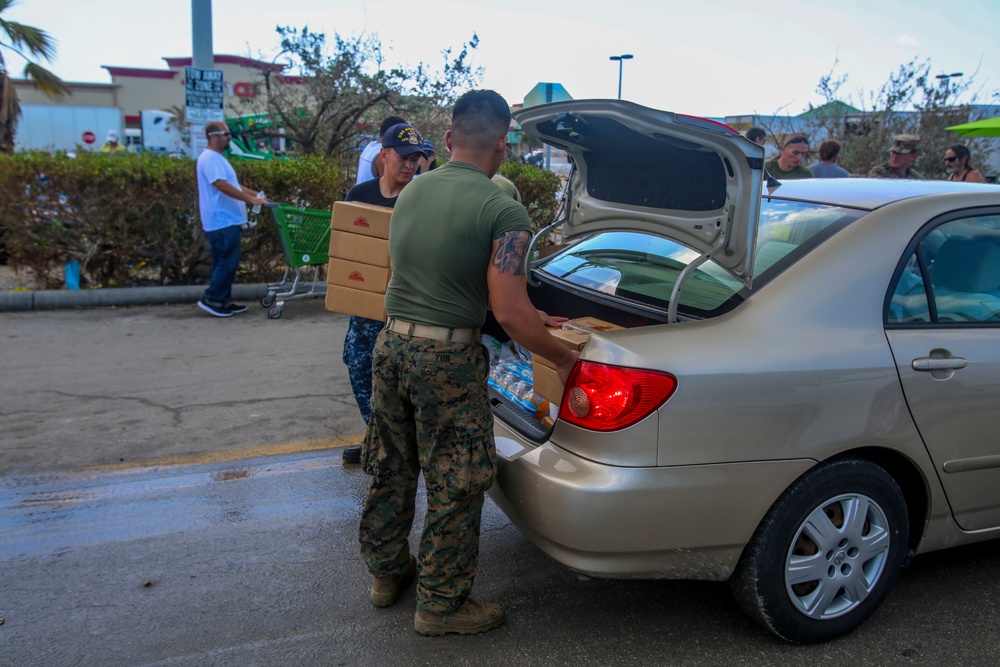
(201, 34)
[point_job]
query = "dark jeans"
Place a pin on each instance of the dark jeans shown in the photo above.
(225, 244)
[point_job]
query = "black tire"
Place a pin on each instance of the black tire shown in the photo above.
(273, 313)
(267, 301)
(809, 573)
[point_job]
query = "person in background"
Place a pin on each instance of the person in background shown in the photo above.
(827, 166)
(788, 164)
(369, 167)
(401, 153)
(903, 153)
(111, 144)
(956, 162)
(757, 135)
(222, 203)
(429, 163)
(458, 245)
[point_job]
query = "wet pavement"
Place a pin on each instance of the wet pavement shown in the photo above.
(171, 493)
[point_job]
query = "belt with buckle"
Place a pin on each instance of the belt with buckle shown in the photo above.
(448, 334)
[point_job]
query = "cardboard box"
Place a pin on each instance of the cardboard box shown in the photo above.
(355, 302)
(359, 248)
(547, 384)
(574, 339)
(594, 324)
(357, 275)
(364, 219)
(546, 380)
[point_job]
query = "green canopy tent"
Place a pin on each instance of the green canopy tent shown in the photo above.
(981, 128)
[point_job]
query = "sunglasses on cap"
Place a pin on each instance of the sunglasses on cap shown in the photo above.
(222, 134)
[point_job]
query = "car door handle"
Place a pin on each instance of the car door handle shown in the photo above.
(937, 364)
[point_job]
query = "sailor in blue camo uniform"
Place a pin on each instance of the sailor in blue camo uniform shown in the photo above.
(402, 150)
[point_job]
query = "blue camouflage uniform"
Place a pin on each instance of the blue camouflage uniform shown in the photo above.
(358, 345)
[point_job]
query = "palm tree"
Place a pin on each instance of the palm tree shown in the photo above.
(28, 42)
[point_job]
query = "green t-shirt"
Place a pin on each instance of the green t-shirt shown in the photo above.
(440, 239)
(779, 173)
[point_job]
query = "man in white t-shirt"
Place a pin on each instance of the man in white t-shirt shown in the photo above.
(222, 202)
(369, 166)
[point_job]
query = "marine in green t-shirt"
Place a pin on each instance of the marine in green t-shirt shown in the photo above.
(788, 164)
(443, 229)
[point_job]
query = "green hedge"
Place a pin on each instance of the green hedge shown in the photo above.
(538, 189)
(131, 219)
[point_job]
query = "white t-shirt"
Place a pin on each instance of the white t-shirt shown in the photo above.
(218, 210)
(368, 155)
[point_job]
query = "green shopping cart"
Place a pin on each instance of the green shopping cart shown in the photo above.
(305, 241)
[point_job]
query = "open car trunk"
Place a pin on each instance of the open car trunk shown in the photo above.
(528, 413)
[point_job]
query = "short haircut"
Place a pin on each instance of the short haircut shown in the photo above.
(215, 126)
(755, 133)
(480, 118)
(387, 123)
(829, 149)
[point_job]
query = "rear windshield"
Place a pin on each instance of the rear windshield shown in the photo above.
(642, 268)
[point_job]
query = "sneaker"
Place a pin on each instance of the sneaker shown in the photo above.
(386, 590)
(217, 311)
(471, 618)
(237, 308)
(351, 454)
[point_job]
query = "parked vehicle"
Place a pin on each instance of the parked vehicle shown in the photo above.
(804, 394)
(161, 133)
(56, 127)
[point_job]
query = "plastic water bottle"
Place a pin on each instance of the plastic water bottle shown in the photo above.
(256, 208)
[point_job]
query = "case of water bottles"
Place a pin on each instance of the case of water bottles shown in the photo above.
(511, 377)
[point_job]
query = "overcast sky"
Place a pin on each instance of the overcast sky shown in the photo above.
(708, 57)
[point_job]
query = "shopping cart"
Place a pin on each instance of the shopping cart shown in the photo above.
(305, 241)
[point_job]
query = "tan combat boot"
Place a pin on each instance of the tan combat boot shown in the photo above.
(386, 590)
(471, 618)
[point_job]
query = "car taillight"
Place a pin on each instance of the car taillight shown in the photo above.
(608, 398)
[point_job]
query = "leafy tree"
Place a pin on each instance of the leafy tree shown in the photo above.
(325, 102)
(28, 42)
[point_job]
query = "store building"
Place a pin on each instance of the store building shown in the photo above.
(133, 89)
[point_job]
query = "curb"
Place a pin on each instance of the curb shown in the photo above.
(117, 296)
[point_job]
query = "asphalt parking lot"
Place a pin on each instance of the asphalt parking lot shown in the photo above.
(171, 493)
(126, 386)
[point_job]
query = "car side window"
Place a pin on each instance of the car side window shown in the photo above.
(953, 276)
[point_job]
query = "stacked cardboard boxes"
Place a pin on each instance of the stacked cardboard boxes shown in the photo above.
(574, 336)
(359, 269)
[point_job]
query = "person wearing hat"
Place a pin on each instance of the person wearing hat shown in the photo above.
(403, 149)
(369, 166)
(902, 155)
(429, 163)
(788, 164)
(111, 144)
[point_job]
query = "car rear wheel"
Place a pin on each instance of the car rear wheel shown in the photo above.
(826, 554)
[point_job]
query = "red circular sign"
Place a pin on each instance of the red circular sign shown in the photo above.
(89, 137)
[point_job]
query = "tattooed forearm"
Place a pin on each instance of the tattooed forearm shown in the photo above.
(509, 257)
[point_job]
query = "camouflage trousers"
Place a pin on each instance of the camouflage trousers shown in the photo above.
(431, 414)
(358, 346)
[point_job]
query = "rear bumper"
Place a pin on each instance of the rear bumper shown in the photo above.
(682, 522)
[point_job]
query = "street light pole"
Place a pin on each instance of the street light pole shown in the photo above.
(945, 79)
(620, 59)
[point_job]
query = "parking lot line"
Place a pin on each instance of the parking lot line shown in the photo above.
(254, 451)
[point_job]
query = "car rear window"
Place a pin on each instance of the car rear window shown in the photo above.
(643, 268)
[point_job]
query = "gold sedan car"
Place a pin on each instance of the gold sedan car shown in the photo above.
(803, 395)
